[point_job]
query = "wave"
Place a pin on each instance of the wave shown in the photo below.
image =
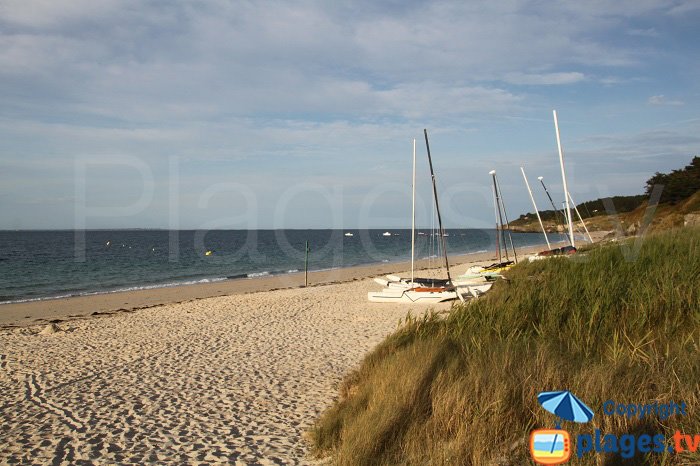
(267, 273)
(117, 290)
(251, 275)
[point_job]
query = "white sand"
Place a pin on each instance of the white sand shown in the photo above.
(235, 379)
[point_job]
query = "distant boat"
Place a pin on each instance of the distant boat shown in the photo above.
(386, 233)
(420, 233)
(348, 234)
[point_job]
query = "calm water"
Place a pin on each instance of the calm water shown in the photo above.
(44, 264)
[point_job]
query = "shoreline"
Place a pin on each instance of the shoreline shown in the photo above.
(237, 377)
(47, 310)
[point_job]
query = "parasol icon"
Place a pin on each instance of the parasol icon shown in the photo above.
(565, 405)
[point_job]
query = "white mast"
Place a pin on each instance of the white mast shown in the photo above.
(413, 212)
(563, 177)
(505, 216)
(536, 211)
(495, 212)
(580, 218)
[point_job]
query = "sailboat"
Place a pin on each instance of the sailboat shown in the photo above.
(418, 290)
(479, 278)
(563, 178)
(566, 250)
(537, 212)
(492, 272)
(580, 219)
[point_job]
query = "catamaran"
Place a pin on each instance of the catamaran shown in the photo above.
(493, 271)
(418, 290)
(571, 249)
(479, 278)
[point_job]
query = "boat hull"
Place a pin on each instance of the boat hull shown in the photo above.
(395, 295)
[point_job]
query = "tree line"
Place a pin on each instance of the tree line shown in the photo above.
(677, 185)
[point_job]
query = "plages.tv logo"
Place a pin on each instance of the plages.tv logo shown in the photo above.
(553, 446)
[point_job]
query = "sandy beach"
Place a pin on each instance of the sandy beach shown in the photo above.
(234, 379)
(222, 379)
(80, 307)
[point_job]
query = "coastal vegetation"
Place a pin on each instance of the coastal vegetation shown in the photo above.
(588, 209)
(620, 321)
(678, 197)
(679, 184)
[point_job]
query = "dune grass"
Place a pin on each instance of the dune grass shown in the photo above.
(613, 323)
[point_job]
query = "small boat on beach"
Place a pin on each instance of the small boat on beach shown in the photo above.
(459, 288)
(418, 290)
(486, 271)
(422, 295)
(568, 220)
(564, 251)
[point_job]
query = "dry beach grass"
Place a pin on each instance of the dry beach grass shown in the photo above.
(613, 323)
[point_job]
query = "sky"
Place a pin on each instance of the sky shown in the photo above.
(281, 114)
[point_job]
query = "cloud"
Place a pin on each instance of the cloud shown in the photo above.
(662, 100)
(230, 89)
(145, 61)
(616, 80)
(49, 14)
(649, 32)
(545, 79)
(684, 7)
(649, 146)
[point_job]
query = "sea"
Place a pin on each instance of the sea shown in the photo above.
(37, 265)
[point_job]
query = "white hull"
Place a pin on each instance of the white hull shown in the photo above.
(473, 290)
(403, 285)
(398, 290)
(396, 295)
(471, 280)
(381, 281)
(394, 281)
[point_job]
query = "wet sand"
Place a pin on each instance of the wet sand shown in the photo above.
(34, 312)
